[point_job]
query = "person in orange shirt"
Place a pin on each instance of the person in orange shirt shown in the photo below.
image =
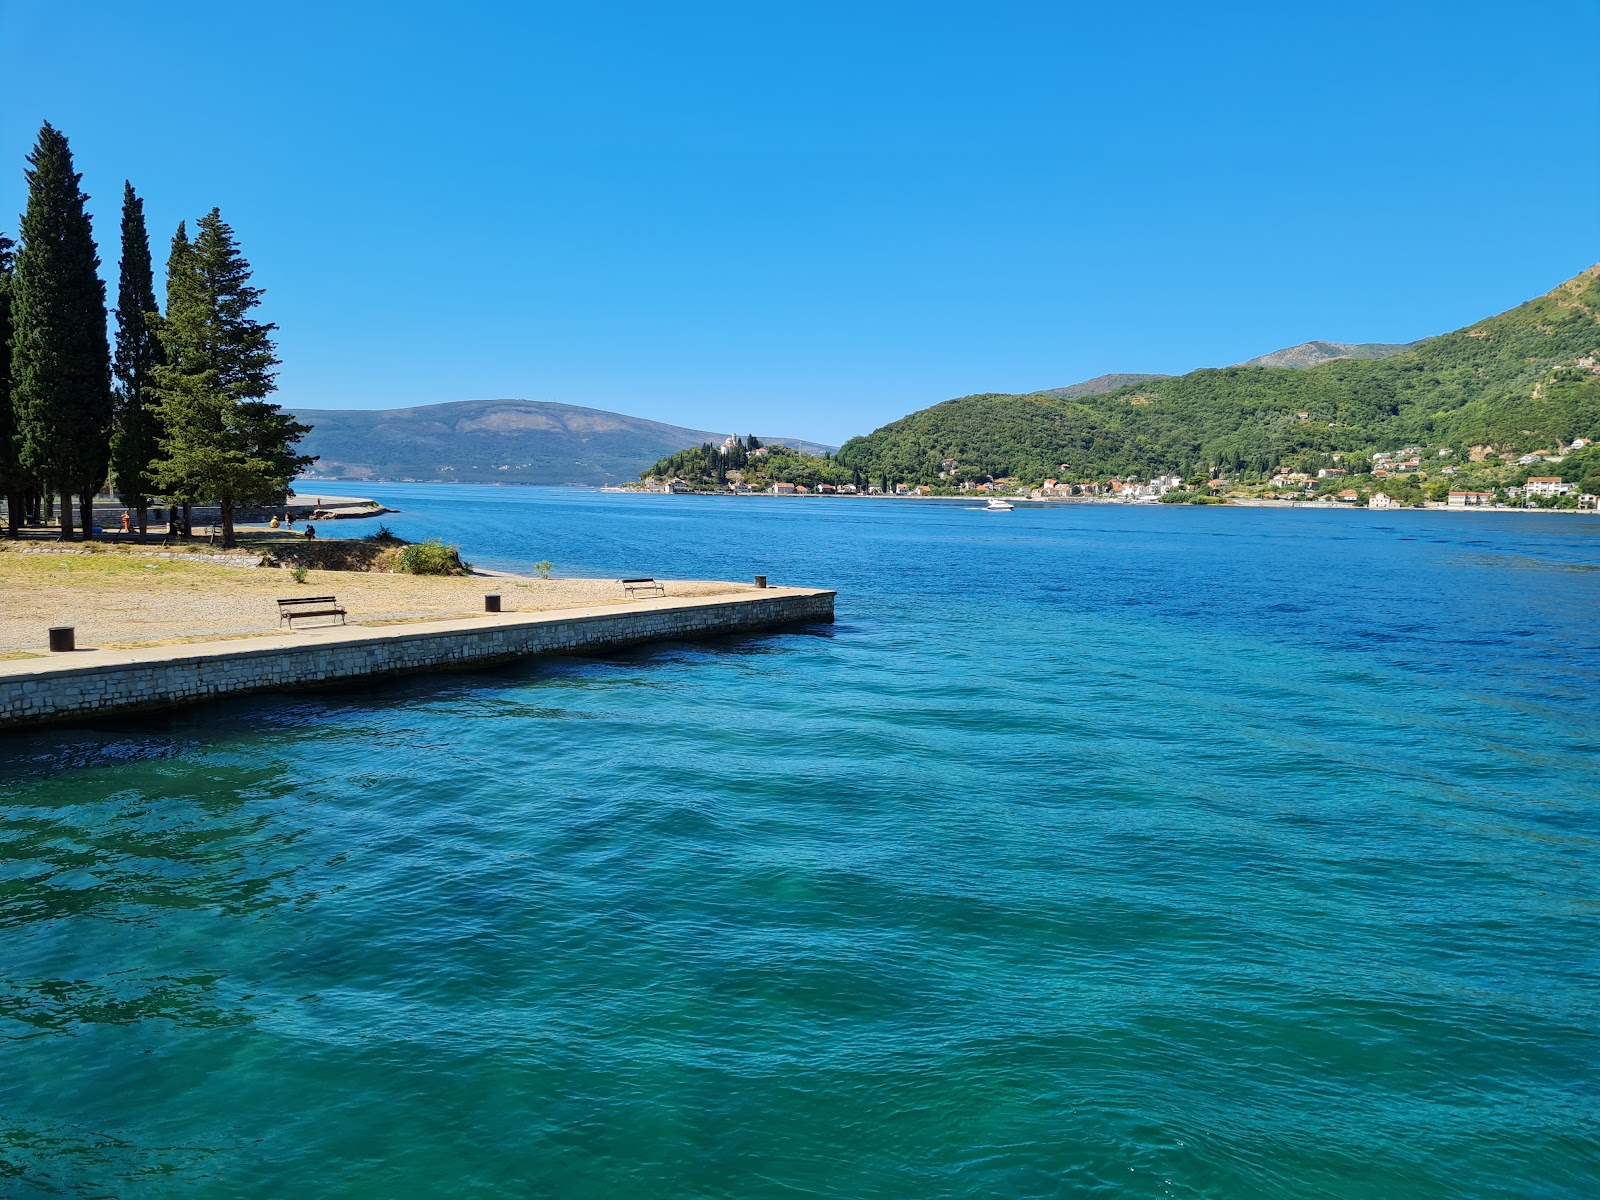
(126, 526)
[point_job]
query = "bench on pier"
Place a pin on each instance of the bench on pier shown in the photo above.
(308, 606)
(634, 588)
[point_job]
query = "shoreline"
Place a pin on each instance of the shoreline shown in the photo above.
(1098, 501)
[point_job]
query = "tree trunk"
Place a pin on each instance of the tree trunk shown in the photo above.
(144, 517)
(188, 519)
(65, 534)
(86, 507)
(15, 502)
(225, 510)
(49, 506)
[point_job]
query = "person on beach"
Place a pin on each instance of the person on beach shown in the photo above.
(274, 523)
(311, 531)
(127, 526)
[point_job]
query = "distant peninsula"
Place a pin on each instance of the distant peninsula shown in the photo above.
(496, 441)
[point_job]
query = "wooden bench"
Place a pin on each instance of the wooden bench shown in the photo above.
(309, 606)
(634, 588)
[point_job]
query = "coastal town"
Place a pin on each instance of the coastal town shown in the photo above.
(1563, 477)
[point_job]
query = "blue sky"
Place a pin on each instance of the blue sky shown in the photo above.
(810, 219)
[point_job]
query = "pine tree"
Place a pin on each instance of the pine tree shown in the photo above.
(12, 481)
(221, 441)
(138, 353)
(60, 359)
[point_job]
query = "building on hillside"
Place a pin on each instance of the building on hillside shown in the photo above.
(1380, 500)
(678, 486)
(783, 489)
(1469, 499)
(1546, 485)
(826, 489)
(924, 490)
(1162, 484)
(1349, 496)
(874, 490)
(1450, 470)
(1586, 501)
(1330, 472)
(901, 489)
(801, 489)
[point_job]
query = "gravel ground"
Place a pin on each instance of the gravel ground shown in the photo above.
(129, 599)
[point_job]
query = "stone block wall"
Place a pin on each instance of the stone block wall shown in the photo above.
(74, 691)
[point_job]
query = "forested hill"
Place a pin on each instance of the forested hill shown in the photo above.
(1520, 381)
(495, 441)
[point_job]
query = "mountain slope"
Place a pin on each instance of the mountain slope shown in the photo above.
(495, 441)
(1518, 381)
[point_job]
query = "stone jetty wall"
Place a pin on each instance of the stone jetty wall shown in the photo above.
(100, 682)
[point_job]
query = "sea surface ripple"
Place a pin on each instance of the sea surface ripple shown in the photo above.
(1095, 851)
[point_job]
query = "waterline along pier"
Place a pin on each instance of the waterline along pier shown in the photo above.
(90, 683)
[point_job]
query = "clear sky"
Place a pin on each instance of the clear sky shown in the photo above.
(811, 218)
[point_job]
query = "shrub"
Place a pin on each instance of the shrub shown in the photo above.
(544, 568)
(432, 557)
(384, 537)
(300, 574)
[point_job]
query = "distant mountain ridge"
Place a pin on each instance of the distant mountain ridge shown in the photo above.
(1099, 384)
(1313, 354)
(496, 441)
(1293, 358)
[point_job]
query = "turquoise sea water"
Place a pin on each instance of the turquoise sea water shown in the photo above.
(1097, 851)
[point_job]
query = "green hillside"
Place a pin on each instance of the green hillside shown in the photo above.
(1521, 381)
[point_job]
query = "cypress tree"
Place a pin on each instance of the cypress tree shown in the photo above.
(12, 481)
(183, 297)
(221, 441)
(60, 359)
(137, 354)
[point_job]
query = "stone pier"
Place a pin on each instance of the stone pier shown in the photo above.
(88, 683)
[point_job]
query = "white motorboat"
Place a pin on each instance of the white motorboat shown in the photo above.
(997, 505)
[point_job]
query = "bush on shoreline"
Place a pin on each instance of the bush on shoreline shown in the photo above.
(431, 557)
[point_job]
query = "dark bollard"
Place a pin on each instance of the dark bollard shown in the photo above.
(62, 639)
(491, 604)
(761, 581)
